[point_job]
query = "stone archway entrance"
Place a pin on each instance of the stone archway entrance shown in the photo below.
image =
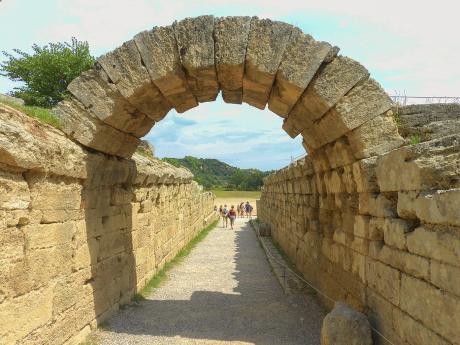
(328, 99)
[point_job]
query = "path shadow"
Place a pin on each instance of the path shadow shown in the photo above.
(258, 312)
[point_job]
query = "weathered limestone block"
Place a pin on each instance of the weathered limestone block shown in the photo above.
(159, 52)
(100, 97)
(195, 42)
(413, 265)
(394, 232)
(361, 104)
(324, 91)
(266, 45)
(20, 316)
(91, 132)
(345, 326)
(384, 279)
(429, 165)
(54, 194)
(429, 121)
(28, 144)
(231, 38)
(437, 207)
(364, 175)
(375, 137)
(443, 246)
(377, 205)
(417, 297)
(415, 332)
(445, 276)
(124, 67)
(41, 236)
(14, 192)
(302, 58)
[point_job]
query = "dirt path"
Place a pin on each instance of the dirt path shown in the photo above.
(223, 293)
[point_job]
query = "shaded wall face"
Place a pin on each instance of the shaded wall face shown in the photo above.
(74, 249)
(382, 234)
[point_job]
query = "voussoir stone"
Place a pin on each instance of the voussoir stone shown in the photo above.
(231, 38)
(101, 98)
(329, 85)
(266, 45)
(196, 49)
(345, 326)
(125, 69)
(159, 52)
(375, 137)
(361, 104)
(92, 132)
(302, 58)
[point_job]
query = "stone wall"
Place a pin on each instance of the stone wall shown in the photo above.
(81, 232)
(382, 234)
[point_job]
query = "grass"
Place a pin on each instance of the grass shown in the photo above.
(158, 278)
(41, 114)
(415, 139)
(237, 194)
(144, 153)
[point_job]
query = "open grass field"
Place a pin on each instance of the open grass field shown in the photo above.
(234, 197)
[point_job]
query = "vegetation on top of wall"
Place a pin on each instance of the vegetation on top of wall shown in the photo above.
(42, 114)
(216, 175)
(46, 72)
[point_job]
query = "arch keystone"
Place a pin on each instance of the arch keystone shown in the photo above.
(196, 50)
(231, 38)
(266, 45)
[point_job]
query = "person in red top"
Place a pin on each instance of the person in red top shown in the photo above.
(232, 216)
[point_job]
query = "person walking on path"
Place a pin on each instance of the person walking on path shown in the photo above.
(232, 216)
(225, 216)
(242, 209)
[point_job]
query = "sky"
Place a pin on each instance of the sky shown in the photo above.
(410, 47)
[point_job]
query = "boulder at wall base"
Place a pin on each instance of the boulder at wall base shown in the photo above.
(345, 326)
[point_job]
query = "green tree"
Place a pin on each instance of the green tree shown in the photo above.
(47, 72)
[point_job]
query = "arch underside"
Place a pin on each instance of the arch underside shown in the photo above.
(328, 99)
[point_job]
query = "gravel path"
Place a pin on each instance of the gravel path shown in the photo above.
(223, 293)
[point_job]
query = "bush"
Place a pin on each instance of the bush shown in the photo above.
(47, 72)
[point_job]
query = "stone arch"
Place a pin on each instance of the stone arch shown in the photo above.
(342, 114)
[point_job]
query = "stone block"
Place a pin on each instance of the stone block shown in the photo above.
(20, 316)
(302, 58)
(441, 245)
(445, 276)
(14, 191)
(394, 232)
(231, 38)
(375, 137)
(325, 90)
(417, 297)
(436, 207)
(159, 52)
(415, 332)
(413, 265)
(361, 104)
(425, 166)
(195, 42)
(102, 99)
(266, 44)
(125, 68)
(377, 205)
(91, 132)
(48, 235)
(384, 279)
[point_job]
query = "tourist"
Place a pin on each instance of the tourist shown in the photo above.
(242, 209)
(238, 209)
(232, 216)
(225, 216)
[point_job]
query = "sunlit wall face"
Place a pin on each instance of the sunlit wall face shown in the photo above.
(240, 135)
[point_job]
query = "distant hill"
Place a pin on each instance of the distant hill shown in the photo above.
(214, 174)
